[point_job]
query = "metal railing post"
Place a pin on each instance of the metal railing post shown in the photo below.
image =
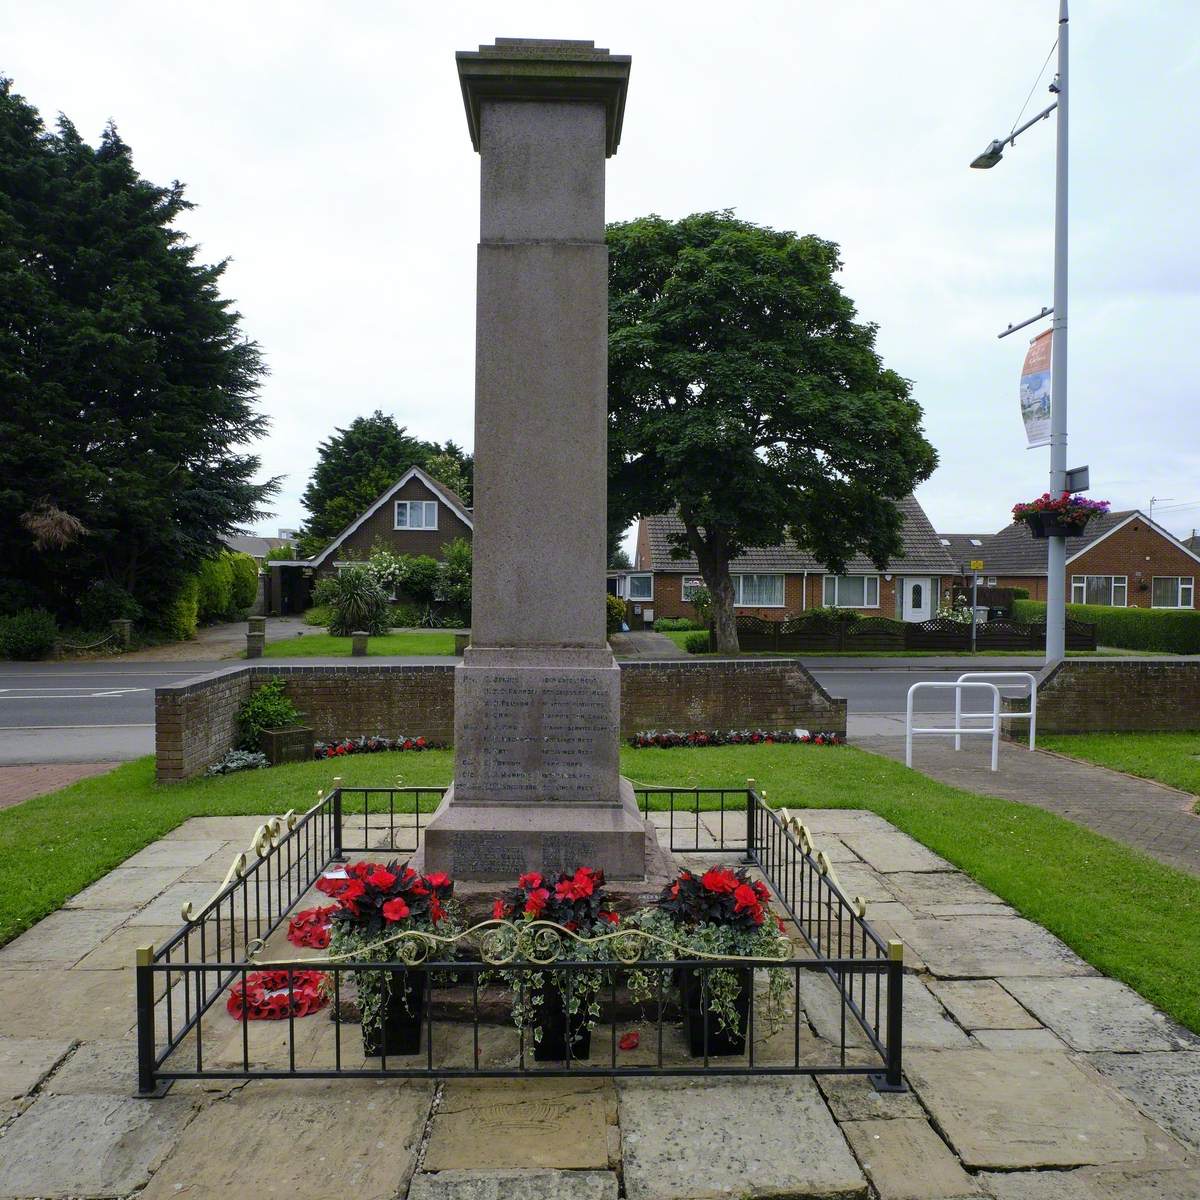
(337, 819)
(891, 1079)
(144, 995)
(751, 816)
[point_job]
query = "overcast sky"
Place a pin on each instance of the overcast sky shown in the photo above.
(326, 149)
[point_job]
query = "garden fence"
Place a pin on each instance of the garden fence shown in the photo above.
(842, 985)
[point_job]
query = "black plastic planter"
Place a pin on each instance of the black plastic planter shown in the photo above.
(1047, 525)
(721, 1040)
(402, 1013)
(552, 1019)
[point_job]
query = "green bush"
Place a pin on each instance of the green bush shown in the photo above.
(455, 586)
(245, 584)
(1020, 593)
(1160, 630)
(828, 616)
(28, 634)
(614, 613)
(702, 602)
(675, 625)
(180, 617)
(406, 616)
(215, 595)
(697, 643)
(266, 708)
(104, 602)
(357, 602)
(319, 614)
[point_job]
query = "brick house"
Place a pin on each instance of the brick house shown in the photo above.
(776, 582)
(1121, 558)
(416, 515)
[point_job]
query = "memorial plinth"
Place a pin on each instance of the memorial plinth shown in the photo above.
(537, 696)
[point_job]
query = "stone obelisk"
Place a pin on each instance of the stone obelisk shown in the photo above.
(537, 696)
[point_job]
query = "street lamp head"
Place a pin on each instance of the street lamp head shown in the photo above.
(990, 157)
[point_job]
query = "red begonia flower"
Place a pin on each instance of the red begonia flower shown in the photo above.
(535, 903)
(381, 878)
(395, 910)
(719, 879)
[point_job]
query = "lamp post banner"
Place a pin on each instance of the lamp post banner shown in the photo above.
(1035, 390)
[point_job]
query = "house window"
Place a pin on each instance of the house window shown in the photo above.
(691, 585)
(758, 591)
(852, 591)
(1099, 589)
(641, 587)
(1171, 591)
(991, 581)
(416, 514)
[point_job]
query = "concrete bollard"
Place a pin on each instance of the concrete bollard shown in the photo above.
(254, 644)
(122, 628)
(461, 642)
(358, 644)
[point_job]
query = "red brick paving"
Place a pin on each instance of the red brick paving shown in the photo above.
(24, 782)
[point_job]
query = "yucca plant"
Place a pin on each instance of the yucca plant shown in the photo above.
(357, 602)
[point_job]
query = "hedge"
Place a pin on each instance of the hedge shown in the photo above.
(1166, 630)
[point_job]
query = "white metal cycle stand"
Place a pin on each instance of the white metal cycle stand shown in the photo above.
(1027, 678)
(958, 728)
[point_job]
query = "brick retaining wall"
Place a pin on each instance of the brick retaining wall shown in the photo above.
(196, 720)
(1118, 696)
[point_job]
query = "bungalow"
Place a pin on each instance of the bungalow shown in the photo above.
(775, 582)
(416, 515)
(1121, 558)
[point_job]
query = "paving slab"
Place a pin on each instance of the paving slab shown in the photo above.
(1100, 1014)
(90, 1145)
(225, 829)
(165, 909)
(982, 1004)
(906, 1160)
(62, 938)
(926, 1023)
(548, 1123)
(860, 880)
(854, 1098)
(1093, 1183)
(118, 950)
(1165, 1086)
(978, 947)
(1018, 1039)
(943, 893)
(181, 852)
(1013, 1110)
(514, 1185)
(48, 1002)
(303, 1139)
(733, 1138)
(888, 850)
(25, 1062)
(126, 888)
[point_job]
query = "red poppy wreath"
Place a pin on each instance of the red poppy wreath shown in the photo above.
(266, 996)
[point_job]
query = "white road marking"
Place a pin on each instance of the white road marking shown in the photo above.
(64, 693)
(19, 728)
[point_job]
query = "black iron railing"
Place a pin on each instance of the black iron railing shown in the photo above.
(843, 985)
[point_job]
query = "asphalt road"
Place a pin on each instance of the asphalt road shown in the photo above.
(104, 711)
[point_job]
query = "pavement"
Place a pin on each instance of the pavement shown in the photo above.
(1032, 1077)
(19, 783)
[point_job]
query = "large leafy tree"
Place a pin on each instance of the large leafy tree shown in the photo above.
(358, 463)
(128, 387)
(746, 397)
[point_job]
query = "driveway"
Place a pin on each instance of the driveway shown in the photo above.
(214, 642)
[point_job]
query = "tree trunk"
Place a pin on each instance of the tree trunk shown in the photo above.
(713, 559)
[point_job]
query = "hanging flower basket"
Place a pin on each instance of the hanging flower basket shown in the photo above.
(1058, 516)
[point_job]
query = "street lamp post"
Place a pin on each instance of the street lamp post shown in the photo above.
(1056, 551)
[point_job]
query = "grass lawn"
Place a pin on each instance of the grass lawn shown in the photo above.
(1171, 758)
(1129, 916)
(323, 645)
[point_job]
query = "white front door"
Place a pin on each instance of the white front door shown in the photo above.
(918, 599)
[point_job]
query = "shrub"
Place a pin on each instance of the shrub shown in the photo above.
(675, 625)
(104, 602)
(319, 614)
(28, 634)
(455, 585)
(17, 594)
(180, 617)
(215, 595)
(827, 616)
(614, 613)
(1020, 593)
(268, 707)
(702, 603)
(406, 616)
(245, 583)
(697, 643)
(1163, 630)
(357, 602)
(417, 576)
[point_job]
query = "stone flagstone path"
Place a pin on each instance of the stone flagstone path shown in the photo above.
(1033, 1077)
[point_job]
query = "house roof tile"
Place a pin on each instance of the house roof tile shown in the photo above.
(922, 549)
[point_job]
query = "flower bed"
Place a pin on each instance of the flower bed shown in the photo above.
(668, 739)
(372, 745)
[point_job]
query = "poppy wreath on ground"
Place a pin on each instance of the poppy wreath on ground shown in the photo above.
(267, 995)
(372, 745)
(669, 739)
(310, 927)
